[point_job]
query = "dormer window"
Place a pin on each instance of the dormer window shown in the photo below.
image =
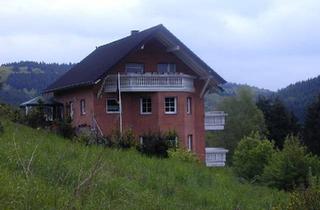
(166, 68)
(134, 68)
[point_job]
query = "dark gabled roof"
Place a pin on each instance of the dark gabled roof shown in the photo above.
(102, 59)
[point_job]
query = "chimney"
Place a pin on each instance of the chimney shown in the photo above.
(134, 32)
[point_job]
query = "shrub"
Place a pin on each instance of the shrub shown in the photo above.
(182, 155)
(304, 199)
(154, 144)
(1, 128)
(124, 141)
(35, 119)
(251, 156)
(288, 168)
(64, 128)
(85, 136)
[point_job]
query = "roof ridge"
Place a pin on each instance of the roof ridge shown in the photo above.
(131, 35)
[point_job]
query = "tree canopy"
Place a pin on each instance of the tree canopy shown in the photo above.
(279, 121)
(311, 132)
(243, 118)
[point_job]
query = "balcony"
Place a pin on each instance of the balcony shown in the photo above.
(150, 82)
(214, 120)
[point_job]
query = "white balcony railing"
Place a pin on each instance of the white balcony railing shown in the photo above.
(215, 156)
(214, 120)
(150, 82)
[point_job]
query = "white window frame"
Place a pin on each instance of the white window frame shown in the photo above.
(189, 105)
(167, 68)
(142, 103)
(138, 66)
(190, 142)
(71, 110)
(175, 105)
(82, 106)
(141, 140)
(111, 112)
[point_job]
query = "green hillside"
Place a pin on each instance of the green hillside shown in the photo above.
(297, 97)
(25, 79)
(39, 170)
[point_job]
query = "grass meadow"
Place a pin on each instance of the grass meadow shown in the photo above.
(40, 170)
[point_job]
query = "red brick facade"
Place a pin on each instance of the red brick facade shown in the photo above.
(182, 122)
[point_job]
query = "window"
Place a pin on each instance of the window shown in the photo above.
(145, 106)
(69, 109)
(141, 140)
(168, 68)
(189, 105)
(173, 141)
(134, 68)
(190, 142)
(112, 106)
(82, 107)
(170, 105)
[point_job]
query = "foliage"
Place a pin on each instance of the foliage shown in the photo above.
(154, 143)
(64, 128)
(26, 79)
(125, 140)
(297, 97)
(1, 128)
(243, 118)
(35, 117)
(304, 199)
(117, 179)
(182, 155)
(251, 156)
(288, 168)
(279, 121)
(311, 133)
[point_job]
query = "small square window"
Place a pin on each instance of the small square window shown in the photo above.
(145, 106)
(82, 107)
(168, 68)
(112, 106)
(170, 105)
(134, 68)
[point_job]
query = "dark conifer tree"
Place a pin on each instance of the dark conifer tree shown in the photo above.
(279, 121)
(311, 132)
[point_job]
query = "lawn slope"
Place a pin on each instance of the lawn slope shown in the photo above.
(39, 170)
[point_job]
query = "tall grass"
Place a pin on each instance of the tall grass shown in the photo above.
(39, 170)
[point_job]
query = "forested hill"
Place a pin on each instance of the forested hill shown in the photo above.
(26, 79)
(230, 89)
(298, 96)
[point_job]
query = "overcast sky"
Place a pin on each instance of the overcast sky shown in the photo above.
(266, 43)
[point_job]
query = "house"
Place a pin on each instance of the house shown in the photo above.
(147, 81)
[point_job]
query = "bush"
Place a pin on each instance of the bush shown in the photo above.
(1, 128)
(182, 155)
(288, 169)
(124, 141)
(251, 156)
(155, 144)
(304, 199)
(35, 119)
(64, 128)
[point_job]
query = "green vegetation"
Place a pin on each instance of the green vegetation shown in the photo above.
(23, 80)
(297, 97)
(40, 170)
(243, 118)
(311, 132)
(288, 169)
(251, 156)
(279, 121)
